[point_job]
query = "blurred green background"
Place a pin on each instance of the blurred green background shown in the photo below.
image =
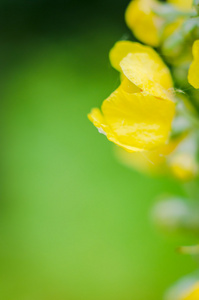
(74, 223)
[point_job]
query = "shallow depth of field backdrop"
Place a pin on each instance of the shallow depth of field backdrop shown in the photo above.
(74, 223)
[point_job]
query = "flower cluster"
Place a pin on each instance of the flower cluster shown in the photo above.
(153, 116)
(141, 14)
(141, 114)
(138, 114)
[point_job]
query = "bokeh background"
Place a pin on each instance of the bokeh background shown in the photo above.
(74, 223)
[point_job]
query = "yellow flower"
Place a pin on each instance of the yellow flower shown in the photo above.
(143, 21)
(138, 115)
(147, 26)
(193, 75)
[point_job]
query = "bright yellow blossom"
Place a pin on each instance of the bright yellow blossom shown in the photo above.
(147, 26)
(193, 76)
(138, 115)
(142, 66)
(143, 21)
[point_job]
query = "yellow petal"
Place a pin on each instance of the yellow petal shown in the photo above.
(128, 86)
(138, 120)
(193, 75)
(98, 120)
(139, 17)
(122, 49)
(152, 66)
(146, 74)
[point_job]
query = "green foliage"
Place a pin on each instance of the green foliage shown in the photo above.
(74, 223)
